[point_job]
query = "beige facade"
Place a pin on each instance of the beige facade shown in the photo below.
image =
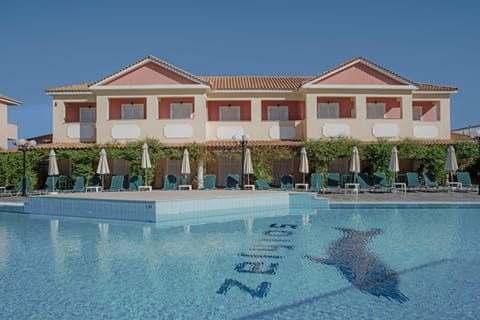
(7, 131)
(153, 99)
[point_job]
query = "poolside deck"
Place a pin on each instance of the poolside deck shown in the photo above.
(157, 195)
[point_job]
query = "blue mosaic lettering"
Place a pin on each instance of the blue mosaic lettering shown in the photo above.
(270, 247)
(277, 233)
(260, 292)
(260, 256)
(255, 267)
(276, 225)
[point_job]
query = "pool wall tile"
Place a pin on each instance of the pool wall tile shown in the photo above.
(155, 211)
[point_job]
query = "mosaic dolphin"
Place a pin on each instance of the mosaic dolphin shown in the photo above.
(360, 267)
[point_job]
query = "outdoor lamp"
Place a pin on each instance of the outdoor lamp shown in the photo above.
(243, 141)
(24, 145)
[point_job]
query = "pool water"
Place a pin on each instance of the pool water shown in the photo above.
(344, 263)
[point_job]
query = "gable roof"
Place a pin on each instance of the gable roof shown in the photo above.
(354, 61)
(9, 101)
(144, 61)
(290, 83)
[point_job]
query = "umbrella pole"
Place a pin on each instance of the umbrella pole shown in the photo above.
(146, 172)
(304, 178)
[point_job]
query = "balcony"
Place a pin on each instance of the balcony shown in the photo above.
(261, 130)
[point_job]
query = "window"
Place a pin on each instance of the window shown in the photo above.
(328, 110)
(417, 113)
(88, 114)
(132, 111)
(279, 113)
(181, 111)
(375, 110)
(231, 113)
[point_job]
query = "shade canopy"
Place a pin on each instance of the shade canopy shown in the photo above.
(102, 168)
(394, 166)
(303, 163)
(355, 161)
(146, 164)
(145, 157)
(248, 165)
(451, 162)
(52, 164)
(185, 163)
(103, 163)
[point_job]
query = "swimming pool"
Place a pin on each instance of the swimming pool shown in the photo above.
(359, 262)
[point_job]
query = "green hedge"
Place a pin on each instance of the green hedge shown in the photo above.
(321, 154)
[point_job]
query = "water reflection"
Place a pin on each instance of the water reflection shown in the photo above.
(103, 249)
(3, 248)
(249, 225)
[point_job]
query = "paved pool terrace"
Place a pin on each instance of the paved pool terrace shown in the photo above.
(163, 206)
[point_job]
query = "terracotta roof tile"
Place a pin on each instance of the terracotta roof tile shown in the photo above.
(74, 87)
(255, 82)
(433, 87)
(460, 137)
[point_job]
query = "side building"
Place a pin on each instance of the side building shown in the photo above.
(7, 131)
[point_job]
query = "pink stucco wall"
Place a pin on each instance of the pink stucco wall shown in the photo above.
(359, 73)
(346, 104)
(72, 110)
(296, 109)
(164, 105)
(150, 74)
(214, 109)
(393, 108)
(115, 106)
(429, 110)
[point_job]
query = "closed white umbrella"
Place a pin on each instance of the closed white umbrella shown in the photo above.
(247, 165)
(355, 163)
(303, 163)
(185, 163)
(146, 164)
(52, 166)
(451, 164)
(394, 166)
(102, 168)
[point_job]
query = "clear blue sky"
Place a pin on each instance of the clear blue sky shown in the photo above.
(54, 43)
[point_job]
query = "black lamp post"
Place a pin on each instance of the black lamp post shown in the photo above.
(243, 141)
(24, 145)
(476, 135)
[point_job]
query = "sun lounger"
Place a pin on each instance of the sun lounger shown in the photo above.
(316, 182)
(466, 181)
(18, 191)
(363, 181)
(430, 181)
(134, 183)
(116, 184)
(232, 182)
(209, 182)
(170, 183)
(333, 181)
(286, 182)
(380, 181)
(263, 185)
(413, 182)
